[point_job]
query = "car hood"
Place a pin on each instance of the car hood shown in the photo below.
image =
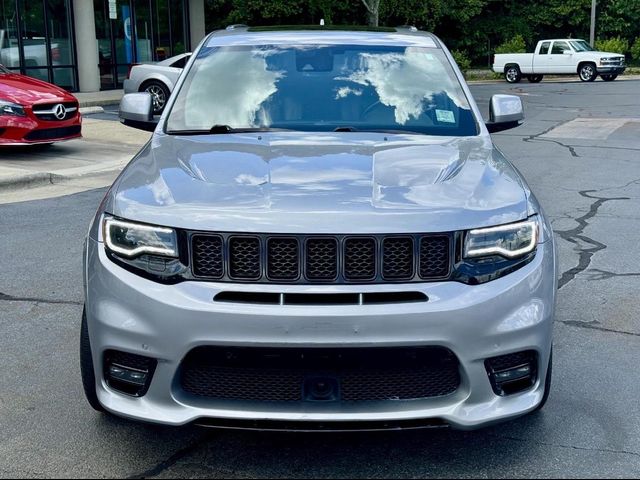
(320, 183)
(604, 54)
(28, 91)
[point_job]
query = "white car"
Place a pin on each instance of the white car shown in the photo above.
(158, 79)
(560, 56)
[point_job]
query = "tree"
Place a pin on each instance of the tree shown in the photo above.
(373, 10)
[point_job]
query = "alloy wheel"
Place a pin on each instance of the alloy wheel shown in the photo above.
(159, 97)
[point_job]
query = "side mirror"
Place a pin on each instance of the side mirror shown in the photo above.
(136, 110)
(567, 52)
(505, 112)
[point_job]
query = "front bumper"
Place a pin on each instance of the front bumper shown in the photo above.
(128, 313)
(16, 131)
(611, 70)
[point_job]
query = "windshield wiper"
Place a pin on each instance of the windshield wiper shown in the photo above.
(378, 130)
(220, 129)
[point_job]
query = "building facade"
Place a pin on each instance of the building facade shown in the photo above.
(89, 45)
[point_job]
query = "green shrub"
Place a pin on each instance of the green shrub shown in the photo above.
(635, 50)
(462, 59)
(514, 45)
(613, 45)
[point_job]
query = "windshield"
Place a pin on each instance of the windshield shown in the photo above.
(582, 46)
(3, 70)
(323, 88)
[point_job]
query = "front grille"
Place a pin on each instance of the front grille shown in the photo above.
(45, 111)
(208, 249)
(397, 258)
(434, 256)
(304, 259)
(282, 260)
(245, 259)
(288, 374)
(360, 258)
(53, 133)
(322, 259)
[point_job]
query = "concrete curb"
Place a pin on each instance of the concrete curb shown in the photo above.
(90, 110)
(38, 179)
(107, 102)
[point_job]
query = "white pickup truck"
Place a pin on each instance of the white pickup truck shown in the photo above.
(562, 56)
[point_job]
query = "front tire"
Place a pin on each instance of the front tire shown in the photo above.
(512, 74)
(587, 72)
(86, 367)
(535, 78)
(609, 78)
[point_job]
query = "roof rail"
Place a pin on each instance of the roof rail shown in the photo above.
(236, 25)
(412, 28)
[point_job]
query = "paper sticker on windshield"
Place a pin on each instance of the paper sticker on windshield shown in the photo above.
(445, 116)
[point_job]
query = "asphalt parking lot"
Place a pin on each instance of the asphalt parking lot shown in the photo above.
(580, 152)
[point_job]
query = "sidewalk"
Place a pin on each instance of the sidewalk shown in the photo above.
(106, 147)
(99, 99)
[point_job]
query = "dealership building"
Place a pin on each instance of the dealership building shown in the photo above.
(89, 45)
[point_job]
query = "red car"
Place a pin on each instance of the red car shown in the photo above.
(33, 111)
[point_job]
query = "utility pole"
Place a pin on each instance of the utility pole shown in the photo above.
(592, 34)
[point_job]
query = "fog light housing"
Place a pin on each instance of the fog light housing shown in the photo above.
(128, 373)
(513, 373)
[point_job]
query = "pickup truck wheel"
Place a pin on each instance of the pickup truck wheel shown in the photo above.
(587, 72)
(512, 74)
(535, 78)
(609, 78)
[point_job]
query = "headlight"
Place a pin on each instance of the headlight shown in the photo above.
(11, 109)
(510, 241)
(133, 239)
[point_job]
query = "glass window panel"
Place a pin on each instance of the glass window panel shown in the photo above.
(143, 32)
(65, 78)
(9, 54)
(39, 73)
(177, 27)
(163, 38)
(59, 25)
(34, 40)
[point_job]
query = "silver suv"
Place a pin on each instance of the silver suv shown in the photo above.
(319, 235)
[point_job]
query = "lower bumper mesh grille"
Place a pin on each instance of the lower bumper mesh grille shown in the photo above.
(291, 375)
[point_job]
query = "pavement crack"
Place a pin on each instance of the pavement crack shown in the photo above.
(572, 447)
(536, 138)
(596, 274)
(11, 298)
(595, 326)
(576, 234)
(173, 459)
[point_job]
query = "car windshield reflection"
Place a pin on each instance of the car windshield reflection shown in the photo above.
(323, 88)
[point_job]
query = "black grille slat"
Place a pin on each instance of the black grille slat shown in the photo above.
(279, 374)
(359, 258)
(208, 256)
(53, 133)
(321, 259)
(245, 258)
(434, 256)
(397, 258)
(283, 260)
(309, 259)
